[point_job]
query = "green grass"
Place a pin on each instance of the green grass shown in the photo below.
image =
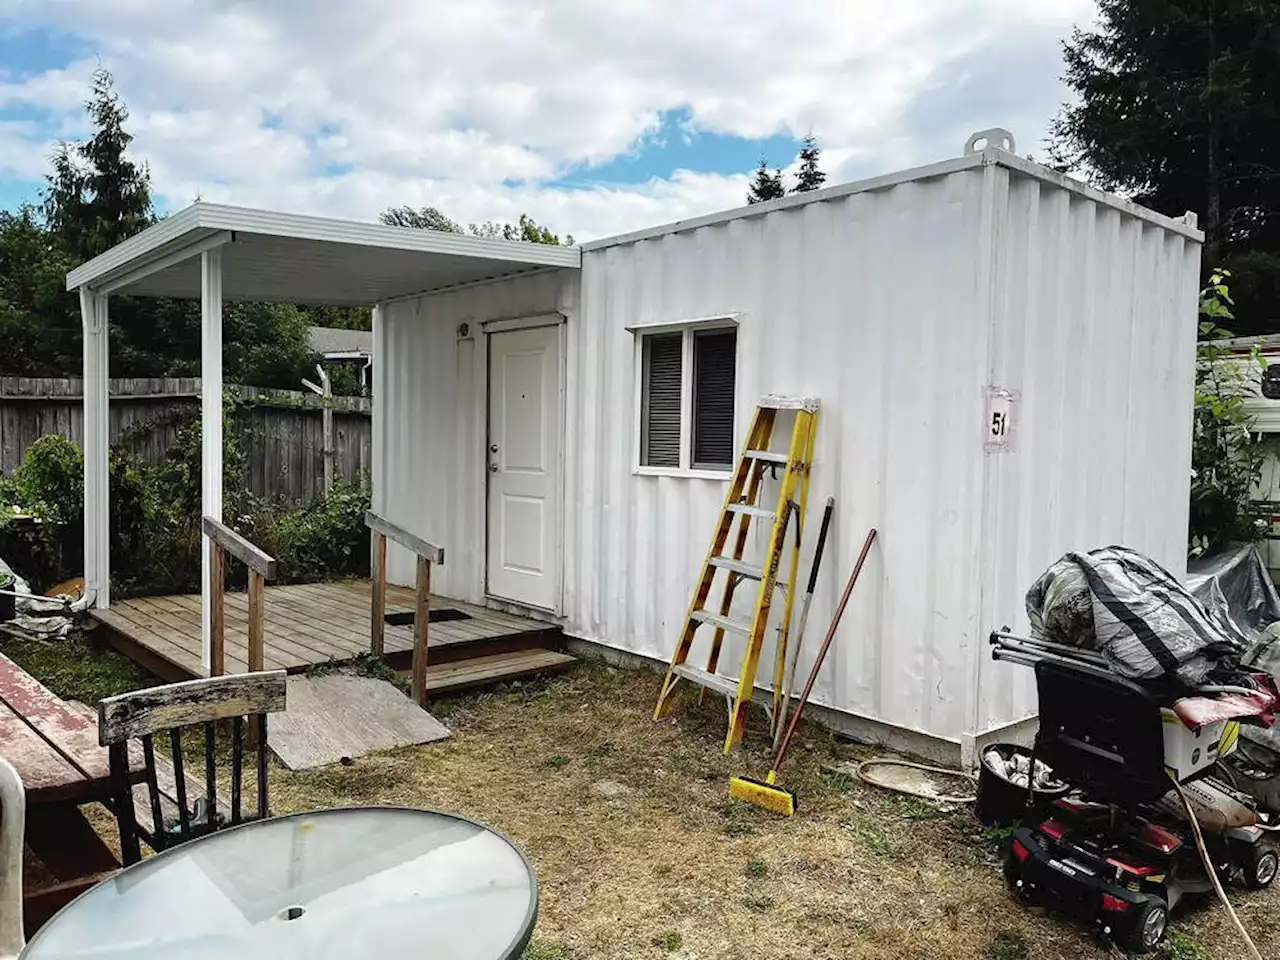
(758, 903)
(547, 950)
(80, 667)
(1180, 946)
(366, 665)
(756, 869)
(738, 816)
(874, 837)
(1008, 946)
(669, 940)
(559, 761)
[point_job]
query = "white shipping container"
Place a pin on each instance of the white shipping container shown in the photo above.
(1004, 359)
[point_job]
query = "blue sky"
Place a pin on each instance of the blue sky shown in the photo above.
(673, 145)
(593, 118)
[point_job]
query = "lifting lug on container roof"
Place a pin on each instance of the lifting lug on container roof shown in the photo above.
(991, 137)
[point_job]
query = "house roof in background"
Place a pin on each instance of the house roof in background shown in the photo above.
(328, 340)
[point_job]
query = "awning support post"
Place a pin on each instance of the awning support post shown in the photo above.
(210, 428)
(97, 490)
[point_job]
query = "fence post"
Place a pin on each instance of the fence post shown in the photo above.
(326, 415)
(325, 392)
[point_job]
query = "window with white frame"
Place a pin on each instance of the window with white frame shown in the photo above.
(687, 378)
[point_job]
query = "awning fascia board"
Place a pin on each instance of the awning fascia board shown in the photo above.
(159, 240)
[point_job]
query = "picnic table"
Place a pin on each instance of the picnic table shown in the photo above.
(54, 747)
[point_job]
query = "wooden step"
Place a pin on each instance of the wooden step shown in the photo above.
(494, 668)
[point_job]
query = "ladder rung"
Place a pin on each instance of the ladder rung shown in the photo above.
(768, 456)
(738, 566)
(706, 616)
(712, 681)
(752, 510)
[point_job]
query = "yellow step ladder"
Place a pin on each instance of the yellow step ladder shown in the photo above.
(741, 505)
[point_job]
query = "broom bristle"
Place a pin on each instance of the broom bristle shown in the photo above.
(763, 795)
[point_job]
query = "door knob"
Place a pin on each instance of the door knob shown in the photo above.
(493, 468)
(493, 448)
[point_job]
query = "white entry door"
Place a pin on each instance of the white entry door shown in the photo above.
(523, 465)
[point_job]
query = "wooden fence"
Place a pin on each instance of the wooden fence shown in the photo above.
(280, 431)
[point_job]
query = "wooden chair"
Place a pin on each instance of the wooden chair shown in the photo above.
(171, 708)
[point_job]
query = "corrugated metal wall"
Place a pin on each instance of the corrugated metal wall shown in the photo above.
(868, 301)
(896, 305)
(1094, 320)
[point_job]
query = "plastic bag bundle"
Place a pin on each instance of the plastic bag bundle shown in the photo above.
(1132, 610)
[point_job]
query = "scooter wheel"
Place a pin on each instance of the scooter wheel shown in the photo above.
(1144, 930)
(1260, 867)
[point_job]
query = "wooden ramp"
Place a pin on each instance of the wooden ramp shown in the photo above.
(310, 624)
(338, 716)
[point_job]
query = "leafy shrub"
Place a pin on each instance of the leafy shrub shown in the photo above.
(49, 483)
(344, 379)
(49, 486)
(1226, 459)
(326, 537)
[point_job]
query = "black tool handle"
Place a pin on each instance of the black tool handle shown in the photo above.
(822, 540)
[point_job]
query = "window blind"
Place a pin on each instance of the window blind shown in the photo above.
(714, 362)
(660, 403)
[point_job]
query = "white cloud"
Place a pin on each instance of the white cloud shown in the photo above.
(478, 107)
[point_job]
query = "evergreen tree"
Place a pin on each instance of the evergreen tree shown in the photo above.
(766, 185)
(96, 196)
(1179, 107)
(809, 176)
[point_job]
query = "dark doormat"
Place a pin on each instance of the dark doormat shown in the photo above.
(443, 615)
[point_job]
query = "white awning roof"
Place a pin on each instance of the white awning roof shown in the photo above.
(303, 259)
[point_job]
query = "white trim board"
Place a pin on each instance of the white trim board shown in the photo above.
(504, 324)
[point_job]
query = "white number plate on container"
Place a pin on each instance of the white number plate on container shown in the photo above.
(1000, 425)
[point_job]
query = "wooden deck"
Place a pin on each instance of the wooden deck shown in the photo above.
(315, 623)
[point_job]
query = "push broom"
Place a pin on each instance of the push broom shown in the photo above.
(767, 794)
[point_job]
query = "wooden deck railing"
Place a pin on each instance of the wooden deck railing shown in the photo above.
(261, 568)
(427, 553)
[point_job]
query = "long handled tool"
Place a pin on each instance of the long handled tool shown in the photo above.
(789, 676)
(766, 794)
